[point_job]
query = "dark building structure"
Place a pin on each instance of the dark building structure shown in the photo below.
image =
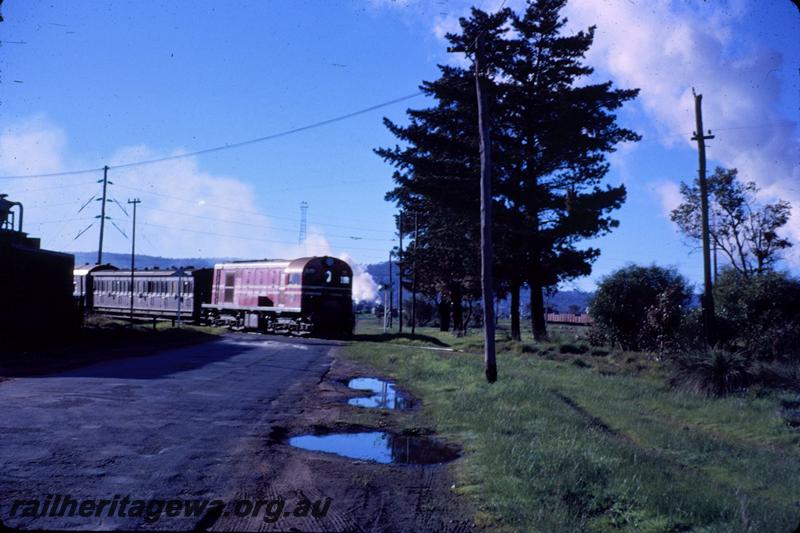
(36, 285)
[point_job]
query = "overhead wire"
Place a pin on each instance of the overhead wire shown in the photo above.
(227, 146)
(255, 225)
(228, 235)
(240, 211)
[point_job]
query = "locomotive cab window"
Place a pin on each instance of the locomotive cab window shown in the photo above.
(345, 280)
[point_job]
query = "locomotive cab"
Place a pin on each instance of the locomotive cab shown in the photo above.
(327, 293)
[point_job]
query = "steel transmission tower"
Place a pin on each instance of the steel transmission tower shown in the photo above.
(303, 220)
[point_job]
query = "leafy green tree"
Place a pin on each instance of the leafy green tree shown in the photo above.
(745, 231)
(640, 308)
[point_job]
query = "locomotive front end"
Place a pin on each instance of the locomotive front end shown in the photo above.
(327, 295)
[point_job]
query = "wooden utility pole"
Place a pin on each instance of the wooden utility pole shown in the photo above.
(714, 249)
(709, 318)
(400, 269)
(102, 215)
(414, 280)
(135, 201)
(385, 307)
(391, 291)
(490, 363)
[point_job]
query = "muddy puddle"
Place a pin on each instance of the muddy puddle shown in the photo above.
(379, 446)
(384, 394)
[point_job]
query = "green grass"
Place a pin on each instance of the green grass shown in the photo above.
(599, 446)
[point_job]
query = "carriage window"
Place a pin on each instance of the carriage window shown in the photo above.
(345, 280)
(230, 281)
(294, 279)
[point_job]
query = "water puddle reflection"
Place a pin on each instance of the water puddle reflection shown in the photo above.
(384, 394)
(379, 446)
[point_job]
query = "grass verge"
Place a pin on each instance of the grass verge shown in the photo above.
(602, 445)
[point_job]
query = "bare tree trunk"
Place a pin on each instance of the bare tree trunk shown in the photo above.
(515, 326)
(538, 323)
(458, 312)
(444, 314)
(468, 318)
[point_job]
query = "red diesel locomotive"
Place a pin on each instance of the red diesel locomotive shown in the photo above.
(306, 295)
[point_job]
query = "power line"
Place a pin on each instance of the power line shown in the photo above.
(202, 232)
(255, 225)
(62, 220)
(53, 174)
(227, 146)
(243, 212)
(65, 186)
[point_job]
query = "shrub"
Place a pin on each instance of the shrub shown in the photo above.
(426, 311)
(580, 363)
(640, 307)
(715, 373)
(596, 337)
(691, 335)
(778, 375)
(759, 314)
(573, 349)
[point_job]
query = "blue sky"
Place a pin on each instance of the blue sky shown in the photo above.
(111, 82)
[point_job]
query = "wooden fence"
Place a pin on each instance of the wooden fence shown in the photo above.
(568, 318)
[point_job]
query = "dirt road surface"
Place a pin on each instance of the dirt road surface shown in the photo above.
(201, 423)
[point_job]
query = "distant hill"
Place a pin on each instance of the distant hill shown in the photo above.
(147, 261)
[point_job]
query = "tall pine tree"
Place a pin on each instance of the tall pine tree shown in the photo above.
(563, 131)
(550, 138)
(438, 177)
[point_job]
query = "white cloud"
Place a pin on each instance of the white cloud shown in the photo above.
(665, 50)
(31, 146)
(668, 194)
(185, 211)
